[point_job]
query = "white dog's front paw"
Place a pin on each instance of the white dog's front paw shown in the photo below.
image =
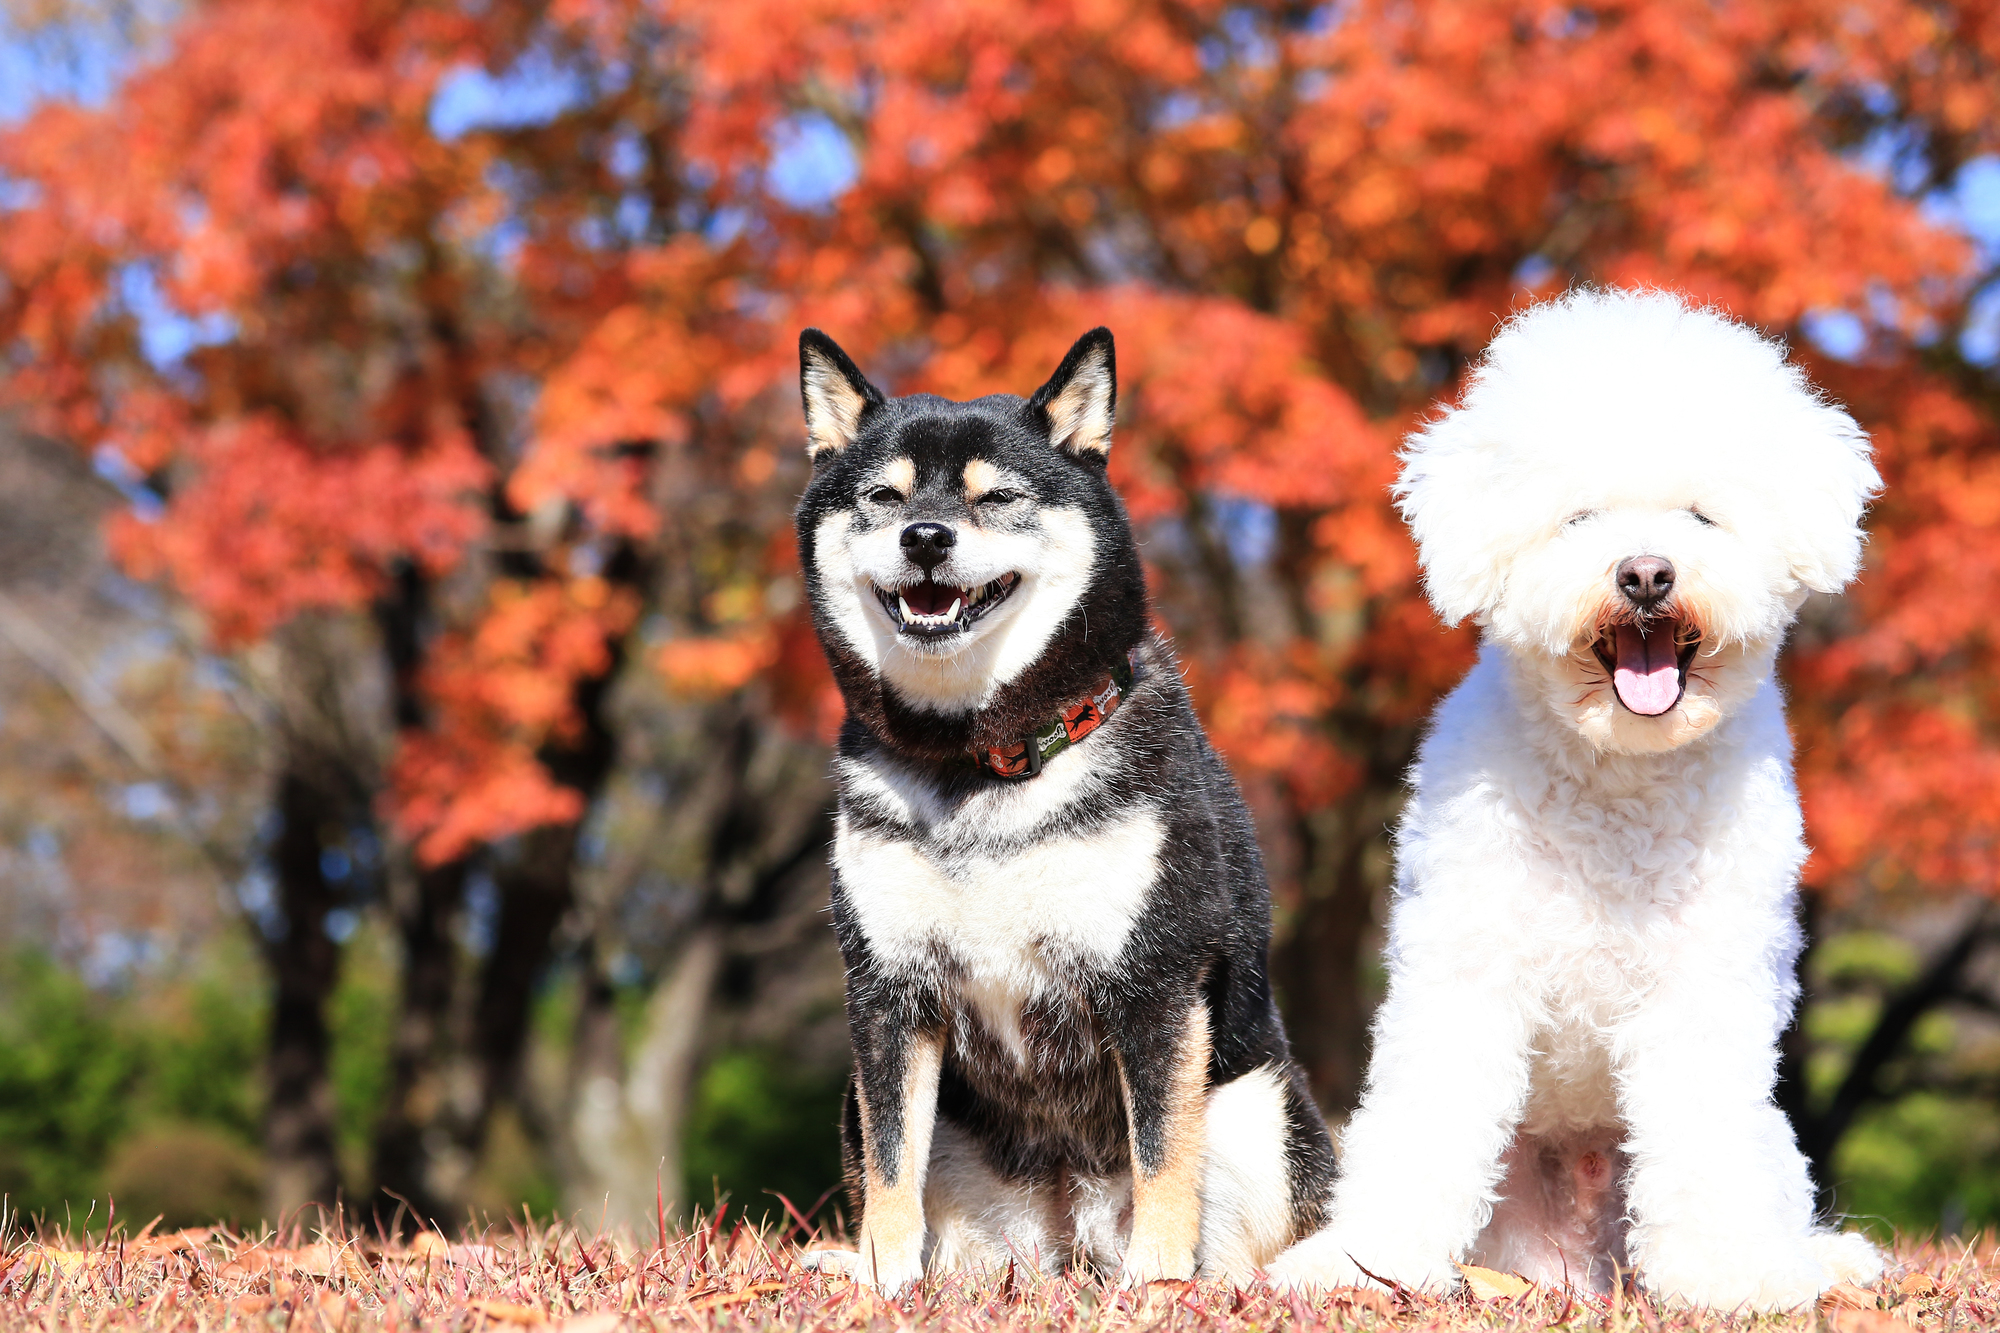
(1846, 1256)
(1311, 1266)
(1728, 1273)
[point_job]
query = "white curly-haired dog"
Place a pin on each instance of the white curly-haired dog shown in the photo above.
(1592, 938)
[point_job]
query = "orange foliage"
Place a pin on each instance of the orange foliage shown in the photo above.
(499, 688)
(267, 527)
(1300, 222)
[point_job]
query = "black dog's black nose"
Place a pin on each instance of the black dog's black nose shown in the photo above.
(1644, 579)
(928, 543)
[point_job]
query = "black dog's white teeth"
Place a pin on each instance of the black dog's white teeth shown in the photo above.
(968, 605)
(948, 616)
(1000, 587)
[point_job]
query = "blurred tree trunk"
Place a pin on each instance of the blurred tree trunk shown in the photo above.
(757, 817)
(451, 1069)
(299, 1118)
(537, 883)
(536, 888)
(420, 1050)
(622, 1138)
(426, 907)
(1319, 967)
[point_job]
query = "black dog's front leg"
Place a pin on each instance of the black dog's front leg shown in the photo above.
(898, 1054)
(1163, 1051)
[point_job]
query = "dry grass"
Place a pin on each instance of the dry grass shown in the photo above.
(558, 1280)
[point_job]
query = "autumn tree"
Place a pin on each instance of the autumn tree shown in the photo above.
(492, 415)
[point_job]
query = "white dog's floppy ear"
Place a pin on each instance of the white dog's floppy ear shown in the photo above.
(1081, 398)
(1826, 494)
(1445, 493)
(837, 395)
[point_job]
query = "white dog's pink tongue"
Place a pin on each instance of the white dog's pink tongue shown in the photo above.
(1647, 679)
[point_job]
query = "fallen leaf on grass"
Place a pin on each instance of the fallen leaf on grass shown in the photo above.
(178, 1242)
(722, 1298)
(251, 1304)
(1162, 1294)
(1917, 1284)
(429, 1250)
(1489, 1284)
(1367, 1298)
(329, 1261)
(249, 1263)
(66, 1262)
(1846, 1296)
(1864, 1321)
(506, 1312)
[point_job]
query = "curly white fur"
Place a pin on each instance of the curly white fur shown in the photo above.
(1592, 941)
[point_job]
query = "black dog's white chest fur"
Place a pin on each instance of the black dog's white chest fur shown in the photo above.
(1007, 924)
(1050, 981)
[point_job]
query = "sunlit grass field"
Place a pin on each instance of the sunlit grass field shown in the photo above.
(556, 1279)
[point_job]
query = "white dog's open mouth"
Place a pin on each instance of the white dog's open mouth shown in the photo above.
(930, 610)
(1648, 663)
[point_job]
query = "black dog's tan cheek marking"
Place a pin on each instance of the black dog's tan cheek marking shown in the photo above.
(1166, 1200)
(894, 1208)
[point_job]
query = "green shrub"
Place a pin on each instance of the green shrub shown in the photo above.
(1923, 1164)
(186, 1175)
(67, 1072)
(759, 1124)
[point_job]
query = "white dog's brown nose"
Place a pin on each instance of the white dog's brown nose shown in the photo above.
(1646, 580)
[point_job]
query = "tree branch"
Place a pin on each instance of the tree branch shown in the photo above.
(97, 704)
(1941, 982)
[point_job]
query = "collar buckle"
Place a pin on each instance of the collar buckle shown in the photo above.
(1031, 762)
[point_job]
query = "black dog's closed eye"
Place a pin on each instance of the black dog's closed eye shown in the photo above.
(999, 497)
(886, 495)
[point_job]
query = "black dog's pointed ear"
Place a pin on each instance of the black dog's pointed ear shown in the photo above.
(1081, 398)
(836, 394)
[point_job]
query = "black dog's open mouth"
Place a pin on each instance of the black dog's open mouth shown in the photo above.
(1648, 664)
(932, 610)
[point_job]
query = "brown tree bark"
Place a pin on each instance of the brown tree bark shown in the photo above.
(1318, 968)
(406, 1189)
(302, 1166)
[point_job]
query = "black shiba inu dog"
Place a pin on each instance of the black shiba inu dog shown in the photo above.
(1046, 885)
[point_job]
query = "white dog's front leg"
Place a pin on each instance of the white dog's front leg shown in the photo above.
(1420, 1158)
(1720, 1195)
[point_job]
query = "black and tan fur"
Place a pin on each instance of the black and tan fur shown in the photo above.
(1065, 1044)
